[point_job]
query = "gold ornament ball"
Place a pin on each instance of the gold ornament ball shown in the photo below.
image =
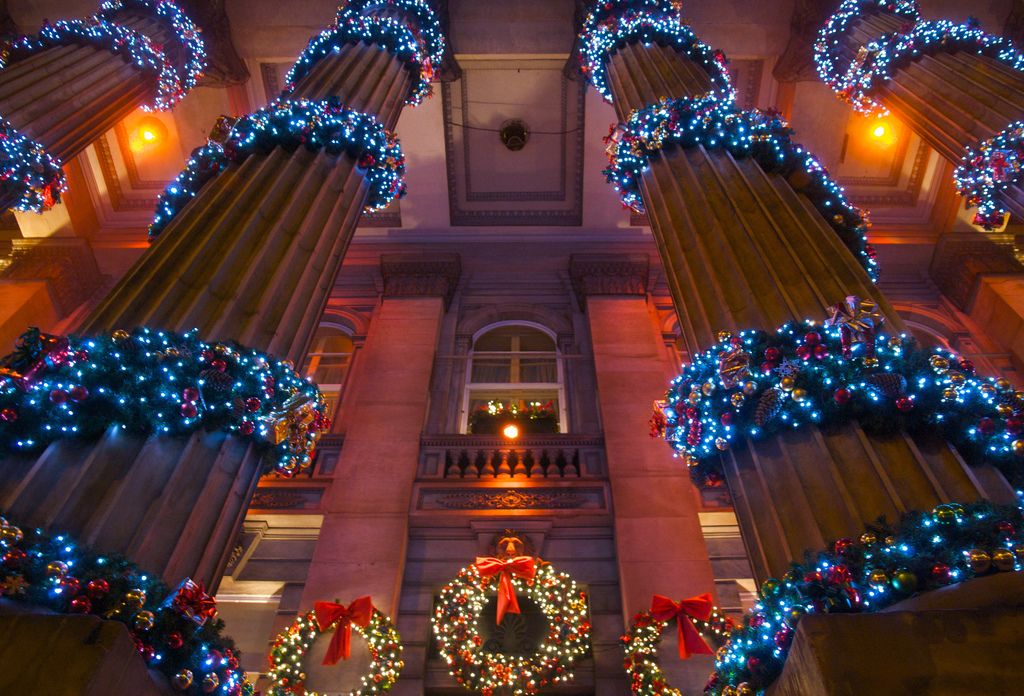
(870, 362)
(737, 399)
(144, 620)
(694, 397)
(987, 390)
(1003, 560)
(787, 383)
(749, 388)
(890, 540)
(979, 561)
(1018, 551)
(210, 683)
(939, 364)
(744, 689)
(172, 352)
(838, 219)
(957, 379)
(120, 335)
(868, 538)
(949, 395)
(1004, 409)
(878, 578)
(183, 679)
(724, 336)
(944, 514)
(799, 394)
(1003, 383)
(221, 349)
(708, 388)
(895, 342)
(904, 580)
(1018, 447)
(11, 534)
(721, 443)
(729, 690)
(56, 569)
(1018, 395)
(135, 598)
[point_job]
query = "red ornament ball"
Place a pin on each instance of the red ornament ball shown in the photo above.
(772, 354)
(821, 352)
(252, 404)
(812, 338)
(80, 605)
(1014, 425)
(905, 404)
(189, 394)
(767, 366)
(842, 396)
(966, 365)
(812, 577)
(58, 396)
(940, 573)
(986, 426)
(843, 545)
(79, 393)
(247, 427)
(1005, 527)
(8, 415)
(97, 589)
(804, 352)
(219, 365)
(175, 640)
(189, 410)
(726, 418)
(70, 585)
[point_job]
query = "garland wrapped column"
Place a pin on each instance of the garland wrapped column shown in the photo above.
(753, 233)
(247, 242)
(62, 88)
(959, 88)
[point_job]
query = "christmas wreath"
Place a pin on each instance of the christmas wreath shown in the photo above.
(460, 643)
(696, 619)
(287, 675)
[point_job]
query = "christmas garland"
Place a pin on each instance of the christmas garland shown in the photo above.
(987, 170)
(877, 61)
(176, 632)
(830, 37)
(640, 645)
(287, 676)
(460, 644)
(135, 46)
(390, 34)
(427, 29)
(188, 35)
(28, 172)
(756, 383)
(925, 551)
(646, 25)
(290, 124)
(601, 11)
(155, 382)
(713, 122)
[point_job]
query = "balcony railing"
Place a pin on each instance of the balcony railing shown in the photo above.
(490, 457)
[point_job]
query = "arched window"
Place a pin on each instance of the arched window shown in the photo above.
(328, 361)
(514, 376)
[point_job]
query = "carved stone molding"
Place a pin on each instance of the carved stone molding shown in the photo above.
(961, 260)
(609, 274)
(416, 275)
(509, 499)
(796, 64)
(224, 65)
(67, 264)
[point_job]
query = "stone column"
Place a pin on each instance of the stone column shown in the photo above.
(743, 249)
(952, 98)
(658, 537)
(66, 96)
(362, 544)
(252, 259)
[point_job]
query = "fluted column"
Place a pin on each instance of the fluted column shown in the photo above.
(251, 258)
(742, 248)
(66, 95)
(953, 98)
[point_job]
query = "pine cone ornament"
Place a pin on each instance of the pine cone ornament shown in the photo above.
(768, 406)
(216, 381)
(891, 385)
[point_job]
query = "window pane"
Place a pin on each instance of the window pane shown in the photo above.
(535, 414)
(491, 370)
(538, 370)
(500, 339)
(331, 369)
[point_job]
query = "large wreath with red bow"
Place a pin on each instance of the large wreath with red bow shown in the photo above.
(288, 676)
(696, 620)
(461, 645)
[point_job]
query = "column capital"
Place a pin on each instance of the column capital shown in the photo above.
(419, 275)
(609, 274)
(66, 263)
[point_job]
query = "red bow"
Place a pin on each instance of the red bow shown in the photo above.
(359, 612)
(520, 566)
(192, 602)
(699, 607)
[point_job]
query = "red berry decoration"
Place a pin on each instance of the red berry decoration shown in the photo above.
(189, 394)
(842, 396)
(79, 394)
(219, 365)
(97, 589)
(986, 426)
(812, 338)
(839, 574)
(905, 404)
(940, 573)
(252, 404)
(783, 638)
(81, 355)
(247, 427)
(174, 640)
(189, 410)
(80, 605)
(841, 546)
(58, 396)
(8, 415)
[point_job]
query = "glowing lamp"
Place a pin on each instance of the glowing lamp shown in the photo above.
(878, 131)
(149, 133)
(510, 431)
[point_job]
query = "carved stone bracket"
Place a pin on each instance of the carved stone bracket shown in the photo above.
(961, 260)
(66, 263)
(609, 274)
(416, 275)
